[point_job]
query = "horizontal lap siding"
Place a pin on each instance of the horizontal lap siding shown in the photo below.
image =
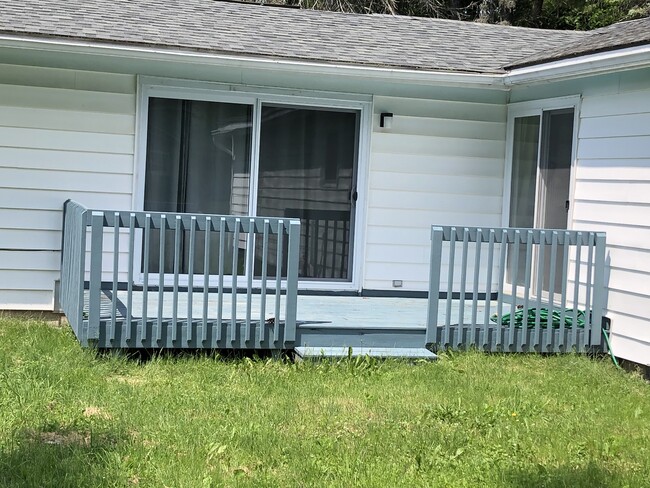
(63, 134)
(440, 163)
(612, 193)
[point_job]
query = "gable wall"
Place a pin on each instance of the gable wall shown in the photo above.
(63, 134)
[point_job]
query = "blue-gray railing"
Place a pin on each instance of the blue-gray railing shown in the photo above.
(73, 246)
(164, 251)
(516, 290)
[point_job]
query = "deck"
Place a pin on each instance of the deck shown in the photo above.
(245, 295)
(324, 323)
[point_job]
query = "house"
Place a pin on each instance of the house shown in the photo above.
(377, 126)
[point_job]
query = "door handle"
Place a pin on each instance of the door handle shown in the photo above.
(354, 195)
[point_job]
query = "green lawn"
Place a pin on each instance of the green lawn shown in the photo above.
(70, 418)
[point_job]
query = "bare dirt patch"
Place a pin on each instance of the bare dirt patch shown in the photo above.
(97, 412)
(129, 380)
(61, 438)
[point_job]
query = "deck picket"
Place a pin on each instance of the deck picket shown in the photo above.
(116, 255)
(129, 300)
(488, 292)
(190, 280)
(206, 278)
(278, 282)
(145, 278)
(551, 284)
(265, 250)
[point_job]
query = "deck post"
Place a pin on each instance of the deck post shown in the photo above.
(598, 303)
(73, 245)
(434, 284)
(81, 272)
(94, 301)
(292, 282)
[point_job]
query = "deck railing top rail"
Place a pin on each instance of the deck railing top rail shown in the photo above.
(201, 222)
(510, 235)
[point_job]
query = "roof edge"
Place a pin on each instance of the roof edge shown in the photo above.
(575, 67)
(585, 65)
(140, 52)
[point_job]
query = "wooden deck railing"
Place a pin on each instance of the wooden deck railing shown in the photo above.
(516, 290)
(136, 279)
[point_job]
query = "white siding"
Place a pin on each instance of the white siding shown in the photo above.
(612, 193)
(440, 163)
(63, 134)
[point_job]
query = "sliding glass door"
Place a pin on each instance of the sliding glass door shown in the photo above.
(307, 170)
(198, 161)
(542, 152)
(260, 159)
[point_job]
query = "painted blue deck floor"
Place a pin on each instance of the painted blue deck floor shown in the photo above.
(324, 311)
(323, 321)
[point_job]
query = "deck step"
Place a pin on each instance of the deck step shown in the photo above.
(375, 352)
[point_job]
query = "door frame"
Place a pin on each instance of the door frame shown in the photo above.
(148, 87)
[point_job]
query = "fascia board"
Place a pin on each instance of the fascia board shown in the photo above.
(587, 65)
(490, 81)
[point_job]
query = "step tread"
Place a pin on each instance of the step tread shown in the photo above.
(381, 352)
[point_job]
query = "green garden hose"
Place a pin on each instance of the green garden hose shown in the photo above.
(609, 347)
(518, 318)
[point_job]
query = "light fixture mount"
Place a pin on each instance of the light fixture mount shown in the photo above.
(386, 120)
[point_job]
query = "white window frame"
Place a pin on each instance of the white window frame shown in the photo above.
(531, 108)
(256, 96)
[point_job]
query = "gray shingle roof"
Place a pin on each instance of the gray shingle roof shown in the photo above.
(615, 36)
(243, 29)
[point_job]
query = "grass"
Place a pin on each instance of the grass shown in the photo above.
(71, 418)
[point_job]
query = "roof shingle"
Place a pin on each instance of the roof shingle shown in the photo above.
(615, 36)
(255, 30)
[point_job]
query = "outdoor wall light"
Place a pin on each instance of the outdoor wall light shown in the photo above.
(386, 120)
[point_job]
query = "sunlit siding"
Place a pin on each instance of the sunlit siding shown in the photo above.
(612, 193)
(440, 163)
(63, 134)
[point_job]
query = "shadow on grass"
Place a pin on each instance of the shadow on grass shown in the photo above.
(61, 459)
(146, 355)
(589, 476)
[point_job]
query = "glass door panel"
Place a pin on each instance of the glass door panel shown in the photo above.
(198, 161)
(523, 184)
(307, 170)
(554, 181)
(541, 175)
